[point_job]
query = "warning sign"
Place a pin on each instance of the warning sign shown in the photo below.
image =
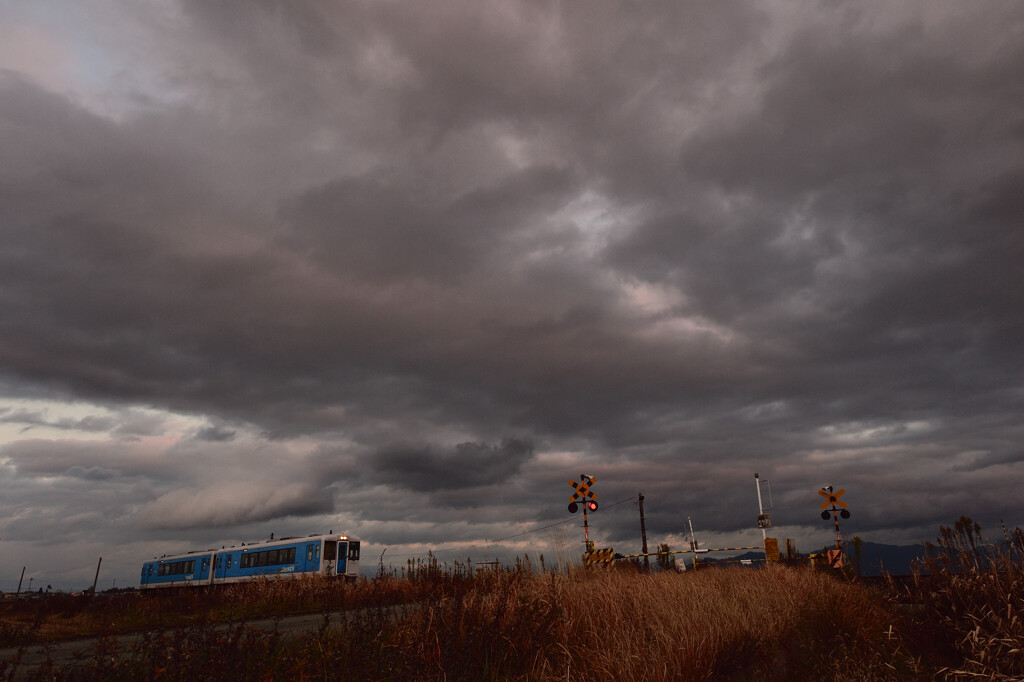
(771, 549)
(603, 558)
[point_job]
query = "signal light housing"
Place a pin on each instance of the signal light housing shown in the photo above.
(592, 506)
(844, 513)
(573, 507)
(826, 515)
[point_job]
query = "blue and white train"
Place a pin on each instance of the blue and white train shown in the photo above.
(328, 555)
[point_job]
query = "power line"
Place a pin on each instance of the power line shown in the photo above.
(527, 532)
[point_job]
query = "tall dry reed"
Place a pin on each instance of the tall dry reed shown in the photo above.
(779, 623)
(773, 623)
(974, 592)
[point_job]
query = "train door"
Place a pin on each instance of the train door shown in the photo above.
(219, 567)
(309, 551)
(342, 549)
(352, 569)
(330, 557)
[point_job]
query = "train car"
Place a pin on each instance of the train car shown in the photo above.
(327, 555)
(178, 570)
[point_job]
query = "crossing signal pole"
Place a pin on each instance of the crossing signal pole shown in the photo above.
(588, 498)
(832, 498)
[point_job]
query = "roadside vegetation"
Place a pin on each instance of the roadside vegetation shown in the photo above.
(957, 619)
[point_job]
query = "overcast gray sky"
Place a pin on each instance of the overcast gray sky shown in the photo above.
(405, 268)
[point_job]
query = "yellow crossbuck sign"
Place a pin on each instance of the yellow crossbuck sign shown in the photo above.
(832, 498)
(583, 490)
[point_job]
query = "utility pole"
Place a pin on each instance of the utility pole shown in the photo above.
(22, 578)
(643, 533)
(97, 575)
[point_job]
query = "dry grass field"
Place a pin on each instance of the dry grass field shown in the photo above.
(959, 619)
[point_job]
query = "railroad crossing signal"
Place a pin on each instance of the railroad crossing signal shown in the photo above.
(832, 498)
(583, 492)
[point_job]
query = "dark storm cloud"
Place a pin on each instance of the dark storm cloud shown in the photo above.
(680, 242)
(378, 230)
(467, 465)
(41, 458)
(91, 473)
(848, 238)
(239, 503)
(216, 433)
(31, 418)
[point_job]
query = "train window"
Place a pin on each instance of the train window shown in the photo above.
(309, 552)
(353, 551)
(330, 549)
(270, 557)
(177, 568)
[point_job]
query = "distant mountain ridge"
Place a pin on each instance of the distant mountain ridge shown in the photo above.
(878, 559)
(875, 558)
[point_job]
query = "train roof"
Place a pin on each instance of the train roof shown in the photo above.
(263, 544)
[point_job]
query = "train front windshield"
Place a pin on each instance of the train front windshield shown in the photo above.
(330, 550)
